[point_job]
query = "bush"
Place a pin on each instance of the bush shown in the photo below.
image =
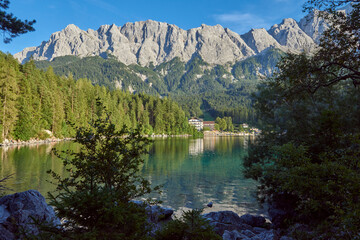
(95, 199)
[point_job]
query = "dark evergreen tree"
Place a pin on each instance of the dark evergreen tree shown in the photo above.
(8, 95)
(10, 25)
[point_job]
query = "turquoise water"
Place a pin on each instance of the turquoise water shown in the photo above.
(192, 172)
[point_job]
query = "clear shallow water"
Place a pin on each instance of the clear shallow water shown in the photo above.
(192, 172)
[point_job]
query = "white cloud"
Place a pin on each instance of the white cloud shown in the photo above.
(241, 22)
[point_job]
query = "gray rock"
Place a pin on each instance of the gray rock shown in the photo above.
(254, 221)
(18, 210)
(5, 234)
(210, 204)
(314, 25)
(248, 233)
(157, 213)
(259, 230)
(226, 217)
(286, 238)
(267, 235)
(157, 216)
(289, 34)
(143, 42)
(259, 40)
(226, 220)
(233, 235)
(155, 42)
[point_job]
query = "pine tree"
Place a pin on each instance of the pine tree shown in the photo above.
(8, 94)
(12, 26)
(24, 126)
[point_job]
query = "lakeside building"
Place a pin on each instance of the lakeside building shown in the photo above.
(197, 123)
(209, 124)
(255, 130)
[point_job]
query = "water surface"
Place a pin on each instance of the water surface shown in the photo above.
(192, 172)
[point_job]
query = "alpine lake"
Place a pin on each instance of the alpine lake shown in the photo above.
(192, 172)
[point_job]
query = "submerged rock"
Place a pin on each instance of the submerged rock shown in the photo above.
(18, 212)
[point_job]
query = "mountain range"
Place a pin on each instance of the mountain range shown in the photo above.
(210, 70)
(152, 42)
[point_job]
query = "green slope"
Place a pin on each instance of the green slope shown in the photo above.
(200, 88)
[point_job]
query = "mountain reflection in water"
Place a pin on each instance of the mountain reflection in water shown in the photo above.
(192, 172)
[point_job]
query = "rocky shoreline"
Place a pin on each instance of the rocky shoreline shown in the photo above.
(217, 133)
(17, 212)
(166, 136)
(8, 143)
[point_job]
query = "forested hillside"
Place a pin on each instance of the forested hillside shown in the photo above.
(33, 100)
(200, 88)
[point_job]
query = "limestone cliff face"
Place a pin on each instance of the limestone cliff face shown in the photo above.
(260, 39)
(157, 42)
(313, 25)
(290, 35)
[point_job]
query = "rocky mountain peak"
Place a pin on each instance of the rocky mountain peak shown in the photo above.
(314, 25)
(290, 35)
(288, 22)
(72, 28)
(259, 40)
(150, 41)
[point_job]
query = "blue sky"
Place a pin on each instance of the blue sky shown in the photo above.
(238, 15)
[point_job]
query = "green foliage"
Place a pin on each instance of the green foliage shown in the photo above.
(32, 101)
(266, 61)
(224, 124)
(105, 72)
(191, 226)
(8, 94)
(199, 88)
(309, 151)
(174, 69)
(95, 199)
(10, 25)
(307, 158)
(338, 52)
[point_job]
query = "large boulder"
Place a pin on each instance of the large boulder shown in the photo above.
(155, 213)
(233, 235)
(267, 235)
(248, 235)
(18, 212)
(254, 221)
(226, 221)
